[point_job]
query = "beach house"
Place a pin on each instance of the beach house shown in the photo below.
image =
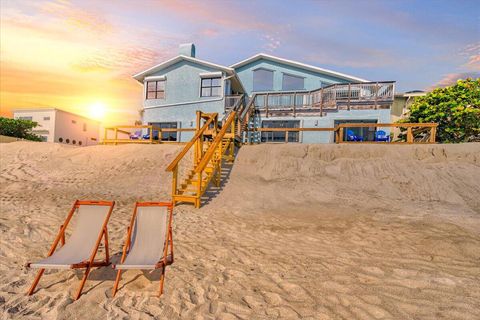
(280, 93)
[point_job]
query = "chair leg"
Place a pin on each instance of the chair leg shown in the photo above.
(117, 281)
(79, 292)
(162, 280)
(35, 282)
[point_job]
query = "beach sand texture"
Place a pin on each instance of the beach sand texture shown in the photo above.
(296, 231)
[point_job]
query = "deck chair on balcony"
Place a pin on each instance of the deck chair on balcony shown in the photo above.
(80, 249)
(149, 242)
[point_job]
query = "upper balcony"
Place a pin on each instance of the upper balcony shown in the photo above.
(349, 96)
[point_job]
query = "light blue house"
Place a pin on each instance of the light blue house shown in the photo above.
(284, 93)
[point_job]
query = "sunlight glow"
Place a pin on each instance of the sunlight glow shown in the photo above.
(97, 110)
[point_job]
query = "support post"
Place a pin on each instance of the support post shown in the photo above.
(199, 190)
(376, 95)
(321, 102)
(349, 91)
(174, 181)
(294, 103)
(409, 135)
(340, 134)
(266, 105)
(433, 134)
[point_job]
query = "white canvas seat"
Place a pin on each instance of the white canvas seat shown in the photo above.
(149, 239)
(80, 249)
(82, 241)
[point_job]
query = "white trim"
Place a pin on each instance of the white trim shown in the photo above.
(263, 68)
(183, 103)
(141, 75)
(216, 74)
(293, 75)
(296, 64)
(155, 78)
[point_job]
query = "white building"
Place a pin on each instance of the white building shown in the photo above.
(55, 125)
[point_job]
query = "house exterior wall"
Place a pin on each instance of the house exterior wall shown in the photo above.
(45, 120)
(182, 97)
(379, 116)
(60, 125)
(71, 126)
(182, 84)
(184, 115)
(313, 80)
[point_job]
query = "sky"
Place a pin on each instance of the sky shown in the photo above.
(75, 55)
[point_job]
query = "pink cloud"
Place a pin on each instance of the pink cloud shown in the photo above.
(472, 52)
(451, 78)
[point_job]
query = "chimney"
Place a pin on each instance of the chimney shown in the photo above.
(187, 49)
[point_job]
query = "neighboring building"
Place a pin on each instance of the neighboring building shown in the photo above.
(401, 106)
(55, 125)
(402, 102)
(285, 93)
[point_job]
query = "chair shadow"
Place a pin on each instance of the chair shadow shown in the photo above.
(107, 273)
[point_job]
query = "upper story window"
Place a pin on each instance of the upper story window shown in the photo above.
(156, 89)
(291, 82)
(46, 118)
(84, 126)
(262, 80)
(211, 87)
(25, 118)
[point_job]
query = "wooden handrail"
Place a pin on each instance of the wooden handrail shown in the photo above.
(179, 157)
(218, 139)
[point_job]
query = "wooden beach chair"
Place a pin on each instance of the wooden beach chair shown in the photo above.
(149, 242)
(81, 247)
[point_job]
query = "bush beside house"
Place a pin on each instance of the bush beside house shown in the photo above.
(18, 128)
(456, 109)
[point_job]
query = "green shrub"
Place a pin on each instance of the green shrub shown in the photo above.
(18, 128)
(456, 109)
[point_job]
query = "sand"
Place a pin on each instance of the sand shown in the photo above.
(296, 231)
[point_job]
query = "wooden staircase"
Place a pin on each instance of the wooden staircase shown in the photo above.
(212, 145)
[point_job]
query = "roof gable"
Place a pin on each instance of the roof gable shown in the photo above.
(141, 75)
(296, 64)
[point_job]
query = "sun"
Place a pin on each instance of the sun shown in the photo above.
(97, 110)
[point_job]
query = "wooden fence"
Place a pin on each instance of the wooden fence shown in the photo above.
(427, 131)
(127, 134)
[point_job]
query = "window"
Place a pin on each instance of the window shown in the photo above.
(211, 87)
(44, 138)
(156, 89)
(25, 118)
(166, 136)
(74, 122)
(79, 143)
(279, 136)
(67, 141)
(84, 126)
(262, 80)
(46, 118)
(291, 82)
(60, 139)
(74, 141)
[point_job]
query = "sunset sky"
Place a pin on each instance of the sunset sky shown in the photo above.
(75, 54)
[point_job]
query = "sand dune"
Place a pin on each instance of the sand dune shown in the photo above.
(296, 231)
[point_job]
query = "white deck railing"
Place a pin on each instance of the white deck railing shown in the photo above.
(371, 95)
